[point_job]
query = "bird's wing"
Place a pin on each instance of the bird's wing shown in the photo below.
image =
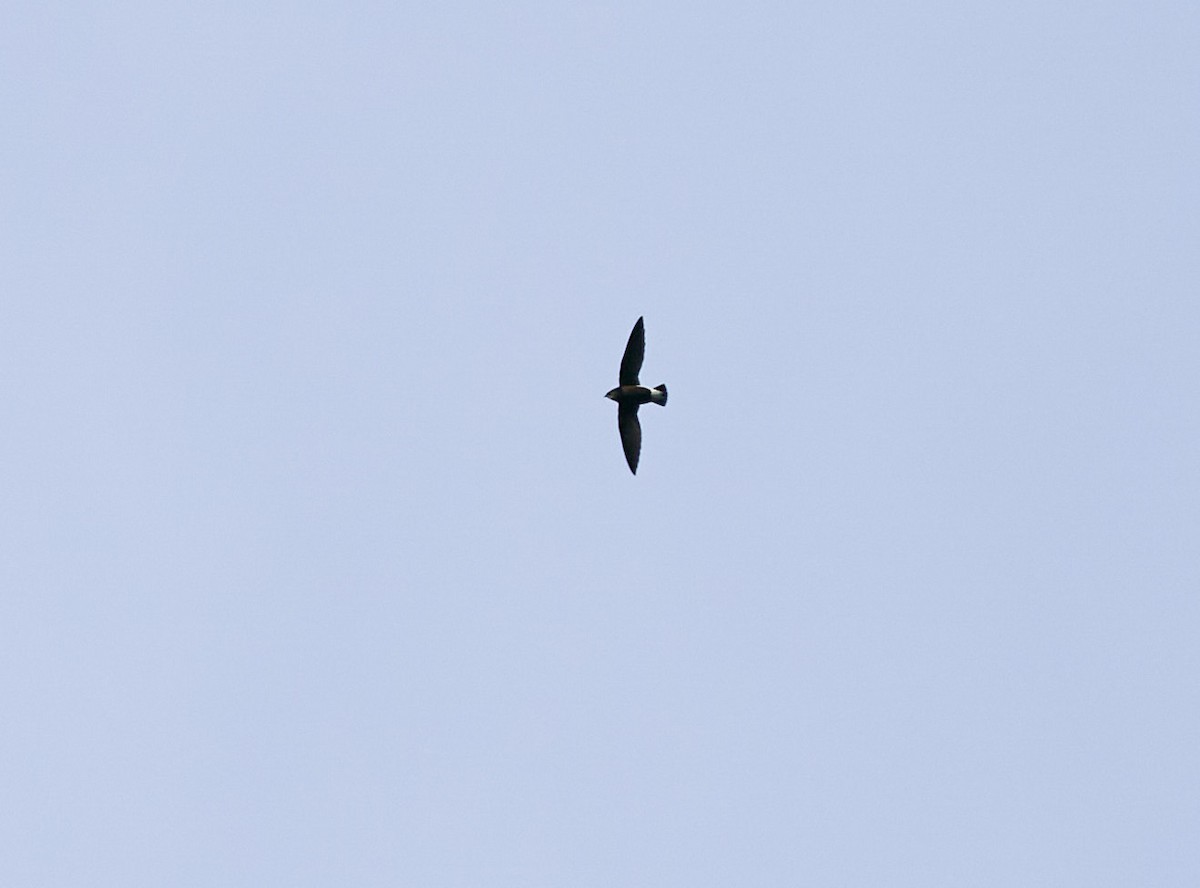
(635, 349)
(631, 434)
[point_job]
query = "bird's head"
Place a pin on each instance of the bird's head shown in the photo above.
(615, 394)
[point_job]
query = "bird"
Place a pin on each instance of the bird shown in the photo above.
(631, 394)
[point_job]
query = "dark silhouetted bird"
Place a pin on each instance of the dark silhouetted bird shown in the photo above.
(631, 394)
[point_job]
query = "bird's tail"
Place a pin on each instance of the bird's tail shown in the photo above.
(658, 394)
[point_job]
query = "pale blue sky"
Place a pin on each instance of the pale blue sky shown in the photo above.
(321, 563)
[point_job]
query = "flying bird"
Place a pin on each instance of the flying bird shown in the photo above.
(631, 394)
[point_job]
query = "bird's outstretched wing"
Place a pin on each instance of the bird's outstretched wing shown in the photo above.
(631, 434)
(635, 349)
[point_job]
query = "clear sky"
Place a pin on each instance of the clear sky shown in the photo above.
(321, 564)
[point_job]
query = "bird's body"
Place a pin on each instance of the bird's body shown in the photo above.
(638, 394)
(631, 394)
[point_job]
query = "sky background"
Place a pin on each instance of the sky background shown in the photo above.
(321, 564)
